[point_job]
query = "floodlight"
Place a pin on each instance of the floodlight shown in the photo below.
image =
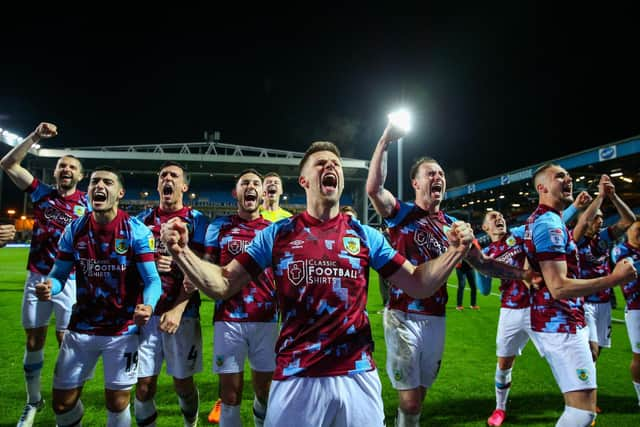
(401, 119)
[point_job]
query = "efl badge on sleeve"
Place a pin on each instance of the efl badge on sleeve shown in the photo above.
(152, 243)
(78, 210)
(122, 246)
(352, 245)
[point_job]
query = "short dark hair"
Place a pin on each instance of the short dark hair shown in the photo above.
(185, 171)
(246, 171)
(71, 156)
(416, 165)
(348, 209)
(318, 146)
(113, 170)
(540, 170)
(270, 174)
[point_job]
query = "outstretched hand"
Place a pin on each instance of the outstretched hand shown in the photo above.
(391, 133)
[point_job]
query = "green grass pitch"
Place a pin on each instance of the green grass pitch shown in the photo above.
(463, 395)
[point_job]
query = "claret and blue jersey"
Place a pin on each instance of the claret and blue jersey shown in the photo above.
(321, 273)
(630, 290)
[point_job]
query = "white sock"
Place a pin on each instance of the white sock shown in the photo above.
(259, 412)
(189, 406)
(145, 412)
(72, 418)
(503, 386)
(119, 419)
(407, 420)
(230, 416)
(574, 417)
(33, 361)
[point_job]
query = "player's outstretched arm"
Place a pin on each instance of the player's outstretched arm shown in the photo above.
(494, 268)
(425, 279)
(627, 217)
(561, 286)
(10, 163)
(589, 213)
(214, 281)
(381, 198)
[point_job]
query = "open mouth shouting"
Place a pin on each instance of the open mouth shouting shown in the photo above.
(272, 190)
(99, 197)
(500, 224)
(167, 191)
(567, 189)
(329, 183)
(436, 189)
(251, 197)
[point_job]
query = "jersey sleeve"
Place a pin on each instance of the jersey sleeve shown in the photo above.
(38, 189)
(382, 256)
(198, 236)
(550, 238)
(619, 252)
(518, 232)
(65, 244)
(144, 245)
(259, 252)
(400, 211)
(211, 239)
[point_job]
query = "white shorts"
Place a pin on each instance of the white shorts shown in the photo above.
(415, 344)
(514, 327)
(569, 357)
(598, 317)
(632, 319)
(79, 354)
(338, 401)
(36, 313)
(182, 350)
(234, 341)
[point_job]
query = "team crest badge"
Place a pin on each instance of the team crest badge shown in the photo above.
(219, 360)
(352, 245)
(235, 247)
(122, 246)
(397, 374)
(511, 241)
(583, 375)
(78, 210)
(295, 272)
(420, 237)
(152, 243)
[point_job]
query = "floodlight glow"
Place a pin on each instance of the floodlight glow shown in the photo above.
(37, 146)
(11, 211)
(614, 175)
(515, 205)
(23, 217)
(625, 179)
(501, 196)
(401, 119)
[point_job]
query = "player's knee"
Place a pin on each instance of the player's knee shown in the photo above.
(36, 339)
(117, 400)
(410, 406)
(145, 389)
(184, 386)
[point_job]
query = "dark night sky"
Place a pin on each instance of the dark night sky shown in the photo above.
(484, 83)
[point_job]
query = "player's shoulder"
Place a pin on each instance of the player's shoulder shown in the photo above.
(142, 216)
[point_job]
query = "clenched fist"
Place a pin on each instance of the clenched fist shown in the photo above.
(142, 314)
(43, 290)
(46, 130)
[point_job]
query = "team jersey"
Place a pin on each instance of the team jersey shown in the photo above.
(630, 290)
(419, 237)
(227, 237)
(322, 273)
(52, 213)
(510, 250)
(547, 238)
(594, 261)
(172, 281)
(108, 284)
(274, 216)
